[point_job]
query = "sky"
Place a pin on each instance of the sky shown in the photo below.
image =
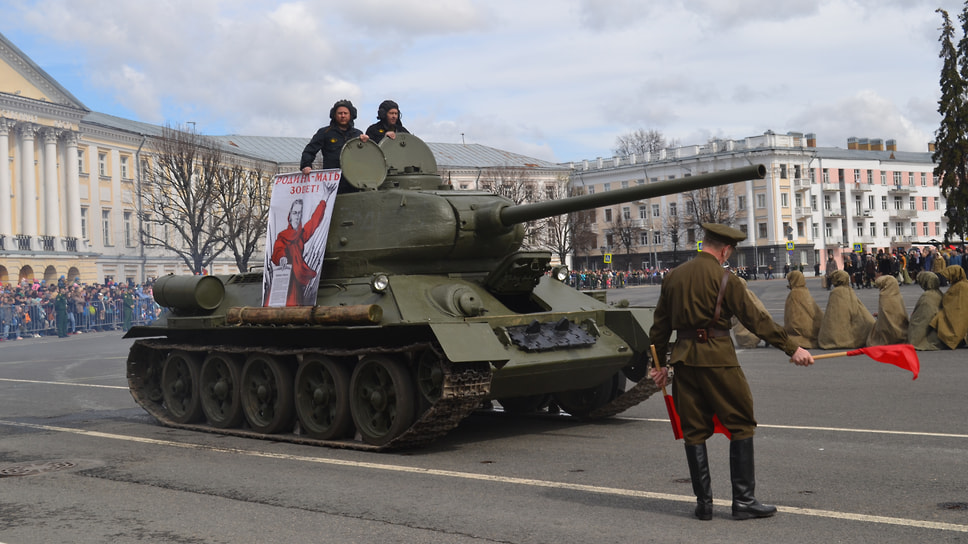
(558, 80)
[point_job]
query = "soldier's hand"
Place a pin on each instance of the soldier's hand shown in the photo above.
(660, 376)
(802, 357)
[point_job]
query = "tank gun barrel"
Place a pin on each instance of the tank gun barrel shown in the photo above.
(510, 215)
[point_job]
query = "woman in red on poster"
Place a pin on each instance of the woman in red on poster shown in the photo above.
(288, 247)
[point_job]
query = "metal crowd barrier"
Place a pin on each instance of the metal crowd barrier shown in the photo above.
(39, 319)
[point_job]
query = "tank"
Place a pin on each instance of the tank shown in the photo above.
(427, 310)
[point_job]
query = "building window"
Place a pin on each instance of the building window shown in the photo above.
(625, 184)
(80, 161)
(128, 234)
(883, 178)
(760, 201)
(106, 227)
(870, 177)
(643, 212)
(626, 213)
(860, 229)
(591, 189)
(828, 231)
(870, 202)
(911, 203)
(897, 178)
(84, 235)
(899, 229)
(873, 230)
(784, 200)
(124, 168)
(102, 164)
(826, 176)
(657, 237)
(826, 202)
(924, 203)
(798, 200)
(606, 187)
(897, 203)
(883, 202)
(761, 230)
(884, 229)
(856, 175)
(644, 238)
(147, 229)
(924, 229)
(741, 202)
(608, 215)
(857, 206)
(937, 203)
(656, 210)
(924, 179)
(783, 171)
(673, 209)
(937, 229)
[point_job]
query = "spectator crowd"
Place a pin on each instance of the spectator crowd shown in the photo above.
(33, 309)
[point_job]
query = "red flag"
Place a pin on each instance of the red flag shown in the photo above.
(718, 426)
(900, 355)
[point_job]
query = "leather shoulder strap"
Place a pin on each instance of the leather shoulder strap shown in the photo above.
(719, 300)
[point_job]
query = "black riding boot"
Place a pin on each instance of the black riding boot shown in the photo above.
(745, 505)
(699, 472)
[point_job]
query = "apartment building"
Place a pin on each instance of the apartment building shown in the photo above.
(815, 202)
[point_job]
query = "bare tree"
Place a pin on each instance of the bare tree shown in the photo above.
(674, 228)
(243, 196)
(625, 232)
(709, 205)
(182, 211)
(569, 233)
(639, 142)
(518, 185)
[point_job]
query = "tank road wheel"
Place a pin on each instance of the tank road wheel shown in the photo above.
(322, 404)
(381, 399)
(179, 387)
(581, 402)
(220, 379)
(430, 379)
(267, 398)
(524, 405)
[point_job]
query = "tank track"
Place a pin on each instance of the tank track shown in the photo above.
(463, 391)
(642, 390)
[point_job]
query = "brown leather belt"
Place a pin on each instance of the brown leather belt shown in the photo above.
(700, 335)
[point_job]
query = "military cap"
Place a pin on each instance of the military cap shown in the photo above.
(723, 234)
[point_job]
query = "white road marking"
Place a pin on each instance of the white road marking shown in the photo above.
(39, 382)
(828, 429)
(831, 514)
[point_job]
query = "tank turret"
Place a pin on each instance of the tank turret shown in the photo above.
(427, 309)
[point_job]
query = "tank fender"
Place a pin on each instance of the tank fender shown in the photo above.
(632, 325)
(468, 342)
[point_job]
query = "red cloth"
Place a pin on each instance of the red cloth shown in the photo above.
(289, 244)
(901, 355)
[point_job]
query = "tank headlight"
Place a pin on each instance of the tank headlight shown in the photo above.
(560, 273)
(379, 283)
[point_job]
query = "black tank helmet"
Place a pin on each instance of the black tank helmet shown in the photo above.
(343, 103)
(385, 106)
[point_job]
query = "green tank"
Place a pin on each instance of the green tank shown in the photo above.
(427, 310)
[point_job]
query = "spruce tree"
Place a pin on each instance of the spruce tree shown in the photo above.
(951, 139)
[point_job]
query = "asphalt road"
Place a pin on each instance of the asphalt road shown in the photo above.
(850, 450)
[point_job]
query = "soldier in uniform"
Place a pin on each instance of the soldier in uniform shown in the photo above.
(697, 301)
(60, 312)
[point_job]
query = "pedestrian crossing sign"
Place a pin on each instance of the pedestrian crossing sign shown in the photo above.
(608, 258)
(858, 248)
(789, 246)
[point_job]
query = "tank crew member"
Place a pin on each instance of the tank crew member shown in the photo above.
(697, 300)
(331, 138)
(388, 122)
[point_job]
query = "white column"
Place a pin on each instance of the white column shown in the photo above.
(27, 195)
(6, 210)
(72, 182)
(51, 199)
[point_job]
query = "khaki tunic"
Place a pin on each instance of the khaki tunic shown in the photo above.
(708, 378)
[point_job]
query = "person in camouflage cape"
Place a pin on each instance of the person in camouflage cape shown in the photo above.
(921, 334)
(802, 315)
(952, 321)
(846, 322)
(891, 326)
